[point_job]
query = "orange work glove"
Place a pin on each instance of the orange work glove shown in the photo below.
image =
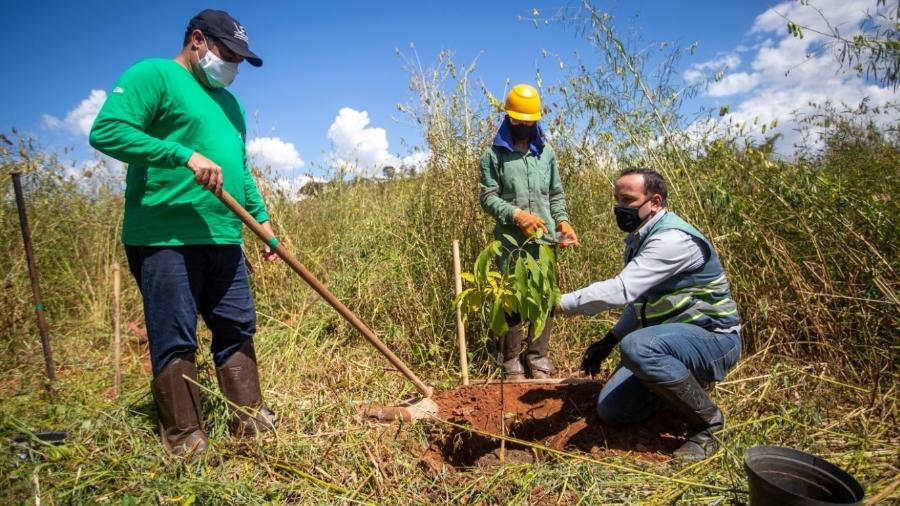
(564, 227)
(528, 223)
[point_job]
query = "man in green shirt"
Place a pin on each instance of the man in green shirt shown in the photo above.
(183, 137)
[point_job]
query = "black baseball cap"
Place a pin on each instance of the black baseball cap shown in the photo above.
(221, 26)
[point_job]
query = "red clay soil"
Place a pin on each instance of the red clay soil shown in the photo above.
(559, 416)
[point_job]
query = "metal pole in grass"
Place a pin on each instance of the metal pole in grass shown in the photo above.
(322, 290)
(35, 281)
(117, 329)
(460, 329)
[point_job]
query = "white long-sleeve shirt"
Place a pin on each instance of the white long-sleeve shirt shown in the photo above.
(665, 254)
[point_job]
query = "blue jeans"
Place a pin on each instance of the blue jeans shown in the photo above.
(177, 282)
(660, 354)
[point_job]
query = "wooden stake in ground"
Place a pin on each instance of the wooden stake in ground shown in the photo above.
(117, 329)
(460, 329)
(35, 282)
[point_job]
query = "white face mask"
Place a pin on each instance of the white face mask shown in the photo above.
(219, 73)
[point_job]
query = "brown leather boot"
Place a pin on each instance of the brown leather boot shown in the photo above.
(178, 406)
(239, 381)
(539, 364)
(511, 348)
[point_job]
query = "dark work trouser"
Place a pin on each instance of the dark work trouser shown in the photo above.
(177, 283)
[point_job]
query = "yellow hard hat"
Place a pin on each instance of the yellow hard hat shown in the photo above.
(523, 103)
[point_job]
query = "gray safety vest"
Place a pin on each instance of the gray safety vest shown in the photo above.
(700, 297)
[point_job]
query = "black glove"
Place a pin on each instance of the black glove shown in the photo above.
(597, 353)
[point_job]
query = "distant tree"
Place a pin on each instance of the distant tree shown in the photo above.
(390, 172)
(313, 188)
(873, 53)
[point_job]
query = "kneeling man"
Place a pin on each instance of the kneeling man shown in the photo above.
(680, 328)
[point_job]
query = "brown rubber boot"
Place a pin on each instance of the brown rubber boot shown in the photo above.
(511, 348)
(691, 402)
(178, 406)
(239, 381)
(539, 364)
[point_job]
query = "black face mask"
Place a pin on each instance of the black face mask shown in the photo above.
(629, 218)
(522, 132)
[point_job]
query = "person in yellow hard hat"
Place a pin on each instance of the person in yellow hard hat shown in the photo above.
(522, 190)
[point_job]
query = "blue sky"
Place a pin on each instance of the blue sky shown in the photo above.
(323, 57)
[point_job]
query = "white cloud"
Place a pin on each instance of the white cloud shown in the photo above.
(94, 173)
(693, 76)
(725, 61)
(416, 160)
(52, 121)
(732, 84)
(274, 153)
(698, 71)
(786, 73)
(358, 147)
(362, 149)
(101, 166)
(842, 14)
(79, 119)
(290, 186)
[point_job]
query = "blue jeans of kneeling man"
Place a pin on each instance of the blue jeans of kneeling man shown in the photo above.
(177, 283)
(660, 354)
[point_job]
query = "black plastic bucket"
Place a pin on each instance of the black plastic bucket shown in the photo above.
(22, 445)
(782, 476)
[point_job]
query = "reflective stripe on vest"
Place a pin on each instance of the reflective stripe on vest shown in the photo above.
(701, 297)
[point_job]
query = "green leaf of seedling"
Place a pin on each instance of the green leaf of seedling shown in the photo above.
(463, 297)
(555, 298)
(468, 276)
(521, 276)
(546, 252)
(533, 269)
(534, 272)
(538, 324)
(498, 319)
(482, 263)
(551, 276)
(512, 240)
(475, 301)
(510, 302)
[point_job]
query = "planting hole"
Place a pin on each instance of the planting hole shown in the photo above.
(558, 416)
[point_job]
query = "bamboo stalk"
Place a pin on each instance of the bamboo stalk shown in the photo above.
(35, 280)
(117, 329)
(460, 328)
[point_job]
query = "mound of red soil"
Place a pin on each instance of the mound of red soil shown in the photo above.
(559, 416)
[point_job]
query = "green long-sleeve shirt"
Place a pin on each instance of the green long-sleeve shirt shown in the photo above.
(529, 181)
(155, 118)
